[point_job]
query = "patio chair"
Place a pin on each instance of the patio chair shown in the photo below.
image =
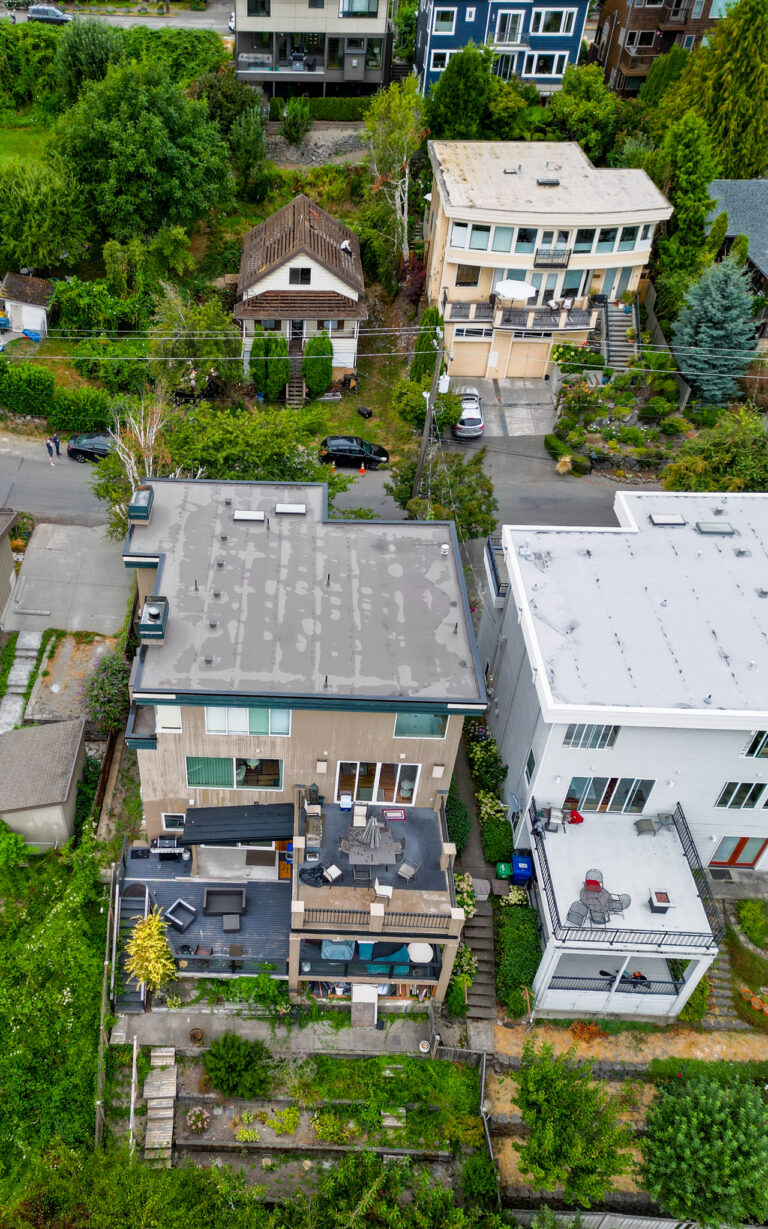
(645, 826)
(619, 903)
(361, 874)
(382, 891)
(593, 880)
(407, 870)
(343, 845)
(360, 815)
(331, 873)
(577, 914)
(599, 917)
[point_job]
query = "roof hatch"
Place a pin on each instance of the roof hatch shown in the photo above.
(664, 520)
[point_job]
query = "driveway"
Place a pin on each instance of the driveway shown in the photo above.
(513, 407)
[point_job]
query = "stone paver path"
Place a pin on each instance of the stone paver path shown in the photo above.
(722, 1014)
(12, 703)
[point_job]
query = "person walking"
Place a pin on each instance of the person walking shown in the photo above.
(56, 441)
(49, 446)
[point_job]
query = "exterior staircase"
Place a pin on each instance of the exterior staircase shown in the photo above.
(722, 1013)
(160, 1096)
(620, 351)
(399, 70)
(294, 389)
(130, 996)
(478, 935)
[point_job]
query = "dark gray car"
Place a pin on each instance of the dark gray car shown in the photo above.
(47, 12)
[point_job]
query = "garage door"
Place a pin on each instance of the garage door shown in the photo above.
(470, 358)
(528, 358)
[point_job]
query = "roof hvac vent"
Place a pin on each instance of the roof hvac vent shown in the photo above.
(513, 170)
(219, 561)
(548, 181)
(208, 659)
(663, 520)
(154, 613)
(242, 514)
(445, 549)
(720, 529)
(291, 509)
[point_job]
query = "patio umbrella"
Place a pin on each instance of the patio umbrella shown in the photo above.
(510, 289)
(372, 833)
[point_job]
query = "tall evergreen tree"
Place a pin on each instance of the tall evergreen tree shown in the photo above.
(714, 337)
(423, 364)
(457, 107)
(690, 168)
(317, 364)
(585, 110)
(665, 70)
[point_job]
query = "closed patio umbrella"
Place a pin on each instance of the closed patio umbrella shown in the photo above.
(372, 833)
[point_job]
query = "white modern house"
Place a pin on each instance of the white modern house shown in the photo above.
(627, 672)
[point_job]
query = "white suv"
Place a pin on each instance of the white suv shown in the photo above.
(471, 424)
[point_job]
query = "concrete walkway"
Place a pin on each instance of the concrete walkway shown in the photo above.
(12, 703)
(171, 1028)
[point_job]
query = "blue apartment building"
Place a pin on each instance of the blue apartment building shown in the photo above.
(533, 40)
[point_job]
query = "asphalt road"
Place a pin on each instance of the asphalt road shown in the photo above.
(215, 17)
(29, 483)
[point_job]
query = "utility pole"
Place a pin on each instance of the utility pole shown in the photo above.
(430, 413)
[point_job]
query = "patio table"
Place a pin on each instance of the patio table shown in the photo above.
(596, 902)
(363, 854)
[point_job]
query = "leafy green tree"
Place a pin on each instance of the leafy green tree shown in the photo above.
(514, 111)
(297, 121)
(705, 1152)
(169, 252)
(142, 151)
(191, 343)
(14, 855)
(739, 249)
(42, 220)
(248, 143)
(317, 364)
(394, 130)
(731, 456)
(575, 1139)
(227, 97)
(237, 1067)
(410, 404)
(124, 266)
(85, 50)
(459, 101)
(726, 82)
(406, 22)
(376, 230)
(89, 307)
(713, 338)
(716, 236)
(452, 489)
(690, 168)
(423, 362)
(664, 72)
(584, 110)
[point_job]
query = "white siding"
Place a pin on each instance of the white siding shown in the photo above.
(321, 280)
(345, 352)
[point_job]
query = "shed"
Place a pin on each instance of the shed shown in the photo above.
(27, 300)
(40, 766)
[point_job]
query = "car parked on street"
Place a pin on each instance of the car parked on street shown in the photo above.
(471, 424)
(49, 13)
(352, 450)
(93, 446)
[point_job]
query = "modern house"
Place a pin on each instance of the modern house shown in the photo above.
(632, 34)
(343, 47)
(25, 301)
(521, 238)
(297, 702)
(40, 766)
(625, 673)
(534, 43)
(300, 275)
(746, 203)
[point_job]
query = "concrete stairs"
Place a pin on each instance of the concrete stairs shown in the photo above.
(160, 1096)
(722, 1014)
(12, 704)
(294, 389)
(399, 70)
(620, 351)
(478, 935)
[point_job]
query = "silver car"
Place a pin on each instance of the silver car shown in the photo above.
(471, 424)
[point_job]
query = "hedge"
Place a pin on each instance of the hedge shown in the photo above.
(79, 409)
(457, 818)
(28, 390)
(558, 449)
(518, 955)
(339, 108)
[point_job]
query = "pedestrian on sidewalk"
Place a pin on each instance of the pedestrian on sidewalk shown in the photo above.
(49, 446)
(56, 441)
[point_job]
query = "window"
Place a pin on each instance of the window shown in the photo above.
(370, 782)
(508, 27)
(270, 325)
(317, 4)
(373, 49)
(335, 58)
(758, 747)
(646, 233)
(552, 21)
(445, 20)
(530, 766)
(510, 275)
(545, 64)
(167, 718)
(252, 721)
(204, 771)
(258, 8)
(740, 795)
(323, 326)
(526, 239)
(480, 238)
(571, 283)
(465, 334)
(688, 42)
(698, 6)
(640, 38)
(628, 238)
(584, 240)
(420, 725)
(358, 8)
(173, 823)
(459, 230)
(627, 794)
(469, 14)
(258, 774)
(467, 275)
(606, 240)
(595, 737)
(505, 66)
(299, 277)
(502, 238)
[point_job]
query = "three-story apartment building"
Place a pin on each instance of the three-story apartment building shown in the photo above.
(632, 33)
(297, 702)
(533, 41)
(539, 218)
(313, 47)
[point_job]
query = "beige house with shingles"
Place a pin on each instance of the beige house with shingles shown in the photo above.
(537, 213)
(297, 676)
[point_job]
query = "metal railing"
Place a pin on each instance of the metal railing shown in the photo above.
(493, 547)
(543, 318)
(188, 962)
(416, 921)
(624, 935)
(337, 917)
(699, 874)
(604, 985)
(360, 919)
(552, 258)
(386, 970)
(648, 987)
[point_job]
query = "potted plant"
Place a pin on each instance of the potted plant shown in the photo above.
(632, 334)
(627, 299)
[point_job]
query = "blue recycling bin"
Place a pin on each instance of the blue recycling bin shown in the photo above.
(522, 869)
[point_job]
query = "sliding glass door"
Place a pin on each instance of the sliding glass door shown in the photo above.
(379, 783)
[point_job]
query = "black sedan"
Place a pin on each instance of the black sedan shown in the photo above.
(352, 450)
(91, 447)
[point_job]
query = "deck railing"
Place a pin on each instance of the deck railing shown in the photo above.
(360, 919)
(604, 985)
(624, 935)
(385, 970)
(699, 874)
(337, 917)
(493, 547)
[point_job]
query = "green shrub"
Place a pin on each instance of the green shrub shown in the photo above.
(197, 6)
(317, 364)
(705, 415)
(337, 108)
(753, 919)
(25, 388)
(563, 426)
(674, 425)
(237, 1067)
(106, 693)
(632, 435)
(479, 1184)
(455, 1000)
(666, 388)
(298, 120)
(518, 954)
(558, 449)
(496, 839)
(698, 1004)
(570, 358)
(100, 359)
(657, 408)
(276, 108)
(486, 765)
(662, 1070)
(457, 818)
(79, 409)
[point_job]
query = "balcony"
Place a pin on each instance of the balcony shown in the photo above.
(140, 733)
(552, 258)
(673, 16)
(257, 63)
(541, 319)
(496, 567)
(634, 63)
(632, 864)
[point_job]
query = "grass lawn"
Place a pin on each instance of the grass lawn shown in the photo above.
(22, 137)
(55, 354)
(751, 970)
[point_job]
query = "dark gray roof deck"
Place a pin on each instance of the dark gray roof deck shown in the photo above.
(423, 846)
(302, 606)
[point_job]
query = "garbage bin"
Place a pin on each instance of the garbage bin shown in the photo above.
(522, 869)
(503, 870)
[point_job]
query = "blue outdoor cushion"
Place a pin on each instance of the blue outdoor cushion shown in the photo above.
(365, 950)
(333, 949)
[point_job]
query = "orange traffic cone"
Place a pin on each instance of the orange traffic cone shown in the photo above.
(362, 467)
(333, 467)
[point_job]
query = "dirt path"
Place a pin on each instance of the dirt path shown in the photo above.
(631, 1047)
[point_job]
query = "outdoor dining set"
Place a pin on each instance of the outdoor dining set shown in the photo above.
(596, 905)
(370, 842)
